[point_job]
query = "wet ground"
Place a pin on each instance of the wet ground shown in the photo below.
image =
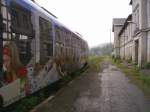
(109, 91)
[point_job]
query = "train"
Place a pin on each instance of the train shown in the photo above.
(36, 49)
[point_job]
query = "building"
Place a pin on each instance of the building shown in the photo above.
(134, 36)
(140, 31)
(125, 39)
(117, 25)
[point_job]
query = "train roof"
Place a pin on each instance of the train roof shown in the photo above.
(31, 6)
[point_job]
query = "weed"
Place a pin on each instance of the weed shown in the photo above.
(135, 75)
(95, 63)
(147, 65)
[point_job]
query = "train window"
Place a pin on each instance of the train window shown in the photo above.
(58, 33)
(15, 18)
(61, 37)
(21, 20)
(45, 28)
(23, 44)
(25, 19)
(46, 43)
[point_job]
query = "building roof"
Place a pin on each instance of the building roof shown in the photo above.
(129, 18)
(130, 2)
(118, 22)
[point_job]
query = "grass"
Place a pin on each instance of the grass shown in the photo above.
(141, 80)
(95, 63)
(74, 75)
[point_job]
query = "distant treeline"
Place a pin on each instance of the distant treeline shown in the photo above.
(102, 49)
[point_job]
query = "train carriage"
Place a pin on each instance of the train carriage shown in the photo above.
(35, 49)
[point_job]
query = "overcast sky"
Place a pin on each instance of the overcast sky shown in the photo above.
(91, 18)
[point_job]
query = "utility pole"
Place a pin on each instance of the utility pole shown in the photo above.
(110, 35)
(110, 41)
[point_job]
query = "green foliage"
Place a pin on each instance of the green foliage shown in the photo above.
(136, 69)
(102, 50)
(27, 104)
(145, 80)
(95, 63)
(136, 77)
(117, 60)
(129, 60)
(73, 75)
(147, 65)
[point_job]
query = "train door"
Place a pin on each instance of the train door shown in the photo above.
(136, 51)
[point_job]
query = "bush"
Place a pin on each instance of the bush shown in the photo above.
(117, 59)
(129, 60)
(27, 104)
(147, 65)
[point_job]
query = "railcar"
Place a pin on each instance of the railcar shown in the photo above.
(35, 49)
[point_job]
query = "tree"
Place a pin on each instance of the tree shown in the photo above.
(102, 50)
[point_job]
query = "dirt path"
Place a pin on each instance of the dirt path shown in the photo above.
(109, 91)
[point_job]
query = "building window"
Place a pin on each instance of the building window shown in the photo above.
(137, 18)
(149, 12)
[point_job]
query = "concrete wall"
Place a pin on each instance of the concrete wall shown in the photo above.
(126, 43)
(116, 40)
(148, 46)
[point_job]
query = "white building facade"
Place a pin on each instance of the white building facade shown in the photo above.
(117, 25)
(134, 36)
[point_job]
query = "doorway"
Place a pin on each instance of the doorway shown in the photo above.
(136, 51)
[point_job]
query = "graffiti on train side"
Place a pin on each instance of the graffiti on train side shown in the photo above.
(32, 78)
(13, 68)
